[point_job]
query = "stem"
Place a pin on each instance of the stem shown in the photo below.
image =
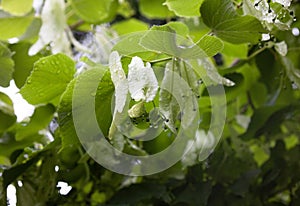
(161, 60)
(250, 100)
(256, 53)
(76, 24)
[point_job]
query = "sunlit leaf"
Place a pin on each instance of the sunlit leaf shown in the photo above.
(188, 9)
(211, 45)
(38, 121)
(129, 26)
(12, 27)
(65, 118)
(49, 79)
(6, 66)
(154, 9)
(7, 116)
(103, 97)
(23, 62)
(235, 50)
(17, 7)
(93, 11)
(164, 39)
(222, 18)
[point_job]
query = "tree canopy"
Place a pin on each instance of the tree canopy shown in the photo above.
(151, 102)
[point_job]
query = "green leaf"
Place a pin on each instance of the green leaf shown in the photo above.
(129, 26)
(32, 31)
(8, 143)
(142, 191)
(23, 62)
(164, 39)
(11, 174)
(235, 50)
(225, 22)
(93, 11)
(49, 79)
(129, 44)
(38, 121)
(260, 154)
(154, 9)
(7, 116)
(187, 9)
(292, 72)
(102, 102)
(258, 120)
(13, 26)
(65, 118)
(17, 7)
(179, 27)
(168, 105)
(211, 45)
(6, 66)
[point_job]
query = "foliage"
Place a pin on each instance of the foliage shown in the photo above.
(245, 45)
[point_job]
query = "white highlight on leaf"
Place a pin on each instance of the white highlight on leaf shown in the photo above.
(13, 40)
(56, 168)
(281, 48)
(295, 31)
(20, 183)
(243, 120)
(11, 195)
(213, 74)
(285, 3)
(136, 110)
(142, 81)
(265, 37)
(119, 79)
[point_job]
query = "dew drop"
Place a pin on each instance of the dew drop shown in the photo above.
(93, 94)
(200, 81)
(295, 31)
(137, 162)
